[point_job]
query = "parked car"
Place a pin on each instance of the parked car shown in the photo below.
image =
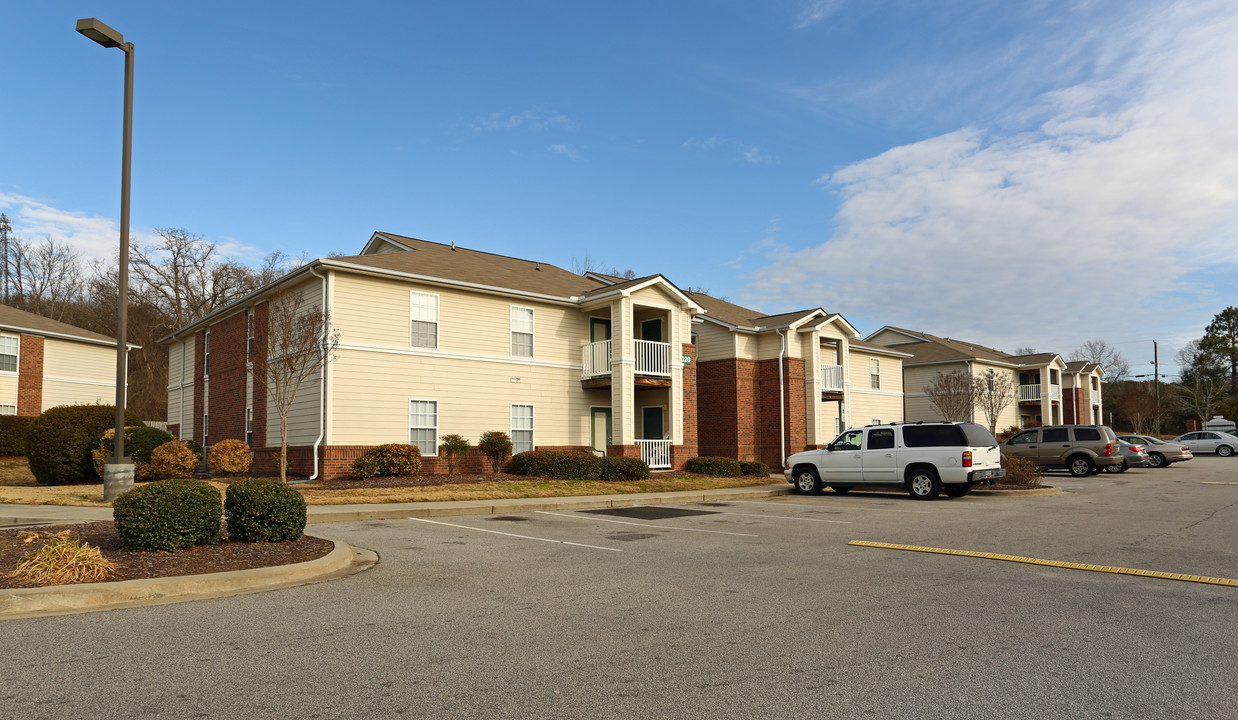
(1081, 449)
(1132, 456)
(1160, 453)
(1221, 443)
(925, 458)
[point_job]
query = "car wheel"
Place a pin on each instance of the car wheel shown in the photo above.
(924, 484)
(1115, 469)
(958, 490)
(841, 489)
(807, 481)
(1224, 450)
(1157, 460)
(1080, 466)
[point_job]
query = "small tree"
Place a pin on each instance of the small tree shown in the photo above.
(300, 343)
(994, 393)
(453, 448)
(952, 395)
(496, 445)
(1202, 397)
(1105, 355)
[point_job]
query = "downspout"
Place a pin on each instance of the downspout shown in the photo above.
(972, 411)
(322, 386)
(782, 411)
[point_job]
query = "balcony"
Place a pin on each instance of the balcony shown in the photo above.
(832, 378)
(655, 453)
(652, 364)
(1031, 393)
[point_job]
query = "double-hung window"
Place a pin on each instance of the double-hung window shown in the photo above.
(206, 353)
(874, 373)
(9, 347)
(206, 429)
(249, 426)
(8, 409)
(522, 331)
(423, 309)
(522, 428)
(249, 337)
(423, 426)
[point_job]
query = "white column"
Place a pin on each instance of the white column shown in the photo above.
(622, 372)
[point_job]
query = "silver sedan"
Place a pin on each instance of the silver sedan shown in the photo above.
(1132, 456)
(1160, 453)
(1221, 443)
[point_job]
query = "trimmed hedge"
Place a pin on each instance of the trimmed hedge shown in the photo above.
(622, 469)
(716, 466)
(264, 510)
(391, 459)
(561, 464)
(168, 515)
(174, 459)
(230, 457)
(753, 468)
(140, 444)
(13, 431)
(495, 444)
(199, 452)
(59, 442)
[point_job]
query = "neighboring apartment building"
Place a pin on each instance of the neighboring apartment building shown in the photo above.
(1046, 389)
(45, 363)
(769, 386)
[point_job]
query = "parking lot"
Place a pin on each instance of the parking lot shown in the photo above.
(733, 609)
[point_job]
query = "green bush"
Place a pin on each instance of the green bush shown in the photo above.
(391, 459)
(557, 464)
(753, 468)
(622, 469)
(13, 431)
(453, 448)
(59, 442)
(264, 510)
(140, 443)
(496, 445)
(198, 451)
(715, 466)
(168, 515)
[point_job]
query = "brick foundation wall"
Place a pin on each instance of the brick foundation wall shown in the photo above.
(726, 408)
(226, 404)
(30, 375)
(794, 418)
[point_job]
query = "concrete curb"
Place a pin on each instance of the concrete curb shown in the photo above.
(66, 599)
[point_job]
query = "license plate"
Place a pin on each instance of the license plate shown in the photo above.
(989, 474)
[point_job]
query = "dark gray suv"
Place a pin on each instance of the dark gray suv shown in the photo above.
(1081, 449)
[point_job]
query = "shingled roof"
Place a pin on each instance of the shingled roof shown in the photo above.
(740, 316)
(13, 319)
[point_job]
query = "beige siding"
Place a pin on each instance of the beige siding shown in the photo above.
(8, 389)
(77, 373)
(714, 342)
(746, 346)
(304, 413)
(185, 415)
(868, 404)
(890, 337)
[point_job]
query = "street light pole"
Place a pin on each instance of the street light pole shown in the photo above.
(118, 471)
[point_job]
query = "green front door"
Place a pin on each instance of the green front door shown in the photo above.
(651, 423)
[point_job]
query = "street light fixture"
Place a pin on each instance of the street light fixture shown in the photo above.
(118, 471)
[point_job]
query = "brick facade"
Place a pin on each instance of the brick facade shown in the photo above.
(199, 384)
(30, 375)
(738, 409)
(680, 454)
(260, 383)
(226, 404)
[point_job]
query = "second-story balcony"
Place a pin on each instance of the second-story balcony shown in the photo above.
(832, 378)
(652, 364)
(1031, 393)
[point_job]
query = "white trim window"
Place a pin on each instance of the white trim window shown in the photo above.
(10, 348)
(874, 373)
(423, 426)
(522, 331)
(206, 424)
(249, 337)
(522, 428)
(206, 354)
(423, 323)
(8, 409)
(249, 427)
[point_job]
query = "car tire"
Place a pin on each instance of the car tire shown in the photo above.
(924, 484)
(1224, 450)
(956, 490)
(841, 489)
(1080, 465)
(1115, 469)
(1157, 460)
(807, 481)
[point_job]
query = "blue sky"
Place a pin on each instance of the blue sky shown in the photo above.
(1034, 173)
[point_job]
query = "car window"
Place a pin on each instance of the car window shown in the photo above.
(978, 435)
(1210, 436)
(1086, 434)
(1189, 436)
(933, 436)
(1025, 438)
(1055, 435)
(849, 440)
(880, 439)
(1154, 441)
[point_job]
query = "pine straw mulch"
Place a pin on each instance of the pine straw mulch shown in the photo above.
(196, 560)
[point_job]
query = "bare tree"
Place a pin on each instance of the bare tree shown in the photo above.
(994, 393)
(1203, 396)
(183, 276)
(588, 265)
(299, 343)
(1103, 354)
(45, 278)
(952, 395)
(1025, 350)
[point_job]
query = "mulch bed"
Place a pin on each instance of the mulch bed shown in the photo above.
(195, 560)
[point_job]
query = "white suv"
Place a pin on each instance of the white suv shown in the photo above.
(923, 457)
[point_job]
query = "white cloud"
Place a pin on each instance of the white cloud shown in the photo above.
(814, 11)
(748, 153)
(1051, 236)
(534, 119)
(565, 151)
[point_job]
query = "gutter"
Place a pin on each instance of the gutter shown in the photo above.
(322, 385)
(782, 412)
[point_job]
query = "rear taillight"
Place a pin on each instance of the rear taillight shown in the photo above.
(1136, 448)
(967, 459)
(1108, 449)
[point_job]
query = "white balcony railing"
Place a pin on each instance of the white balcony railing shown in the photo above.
(831, 377)
(655, 453)
(653, 358)
(1029, 392)
(1055, 392)
(595, 359)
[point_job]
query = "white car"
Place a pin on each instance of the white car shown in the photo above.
(925, 458)
(1221, 443)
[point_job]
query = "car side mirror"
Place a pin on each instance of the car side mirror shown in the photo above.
(830, 447)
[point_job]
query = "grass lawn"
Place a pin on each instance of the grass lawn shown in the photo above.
(17, 485)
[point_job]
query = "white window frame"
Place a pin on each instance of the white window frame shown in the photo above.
(16, 340)
(531, 430)
(249, 339)
(412, 427)
(531, 331)
(206, 429)
(206, 354)
(412, 318)
(874, 373)
(249, 427)
(8, 409)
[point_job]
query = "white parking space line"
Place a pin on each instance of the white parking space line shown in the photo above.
(522, 537)
(660, 527)
(786, 517)
(846, 504)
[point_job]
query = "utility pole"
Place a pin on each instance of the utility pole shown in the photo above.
(5, 229)
(1156, 378)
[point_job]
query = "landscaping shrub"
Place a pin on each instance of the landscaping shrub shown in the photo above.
(1021, 472)
(13, 431)
(199, 452)
(174, 459)
(59, 442)
(453, 447)
(168, 515)
(230, 457)
(64, 561)
(496, 445)
(140, 442)
(561, 464)
(622, 469)
(391, 459)
(716, 466)
(264, 510)
(753, 468)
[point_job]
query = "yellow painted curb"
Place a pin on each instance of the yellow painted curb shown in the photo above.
(1053, 563)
